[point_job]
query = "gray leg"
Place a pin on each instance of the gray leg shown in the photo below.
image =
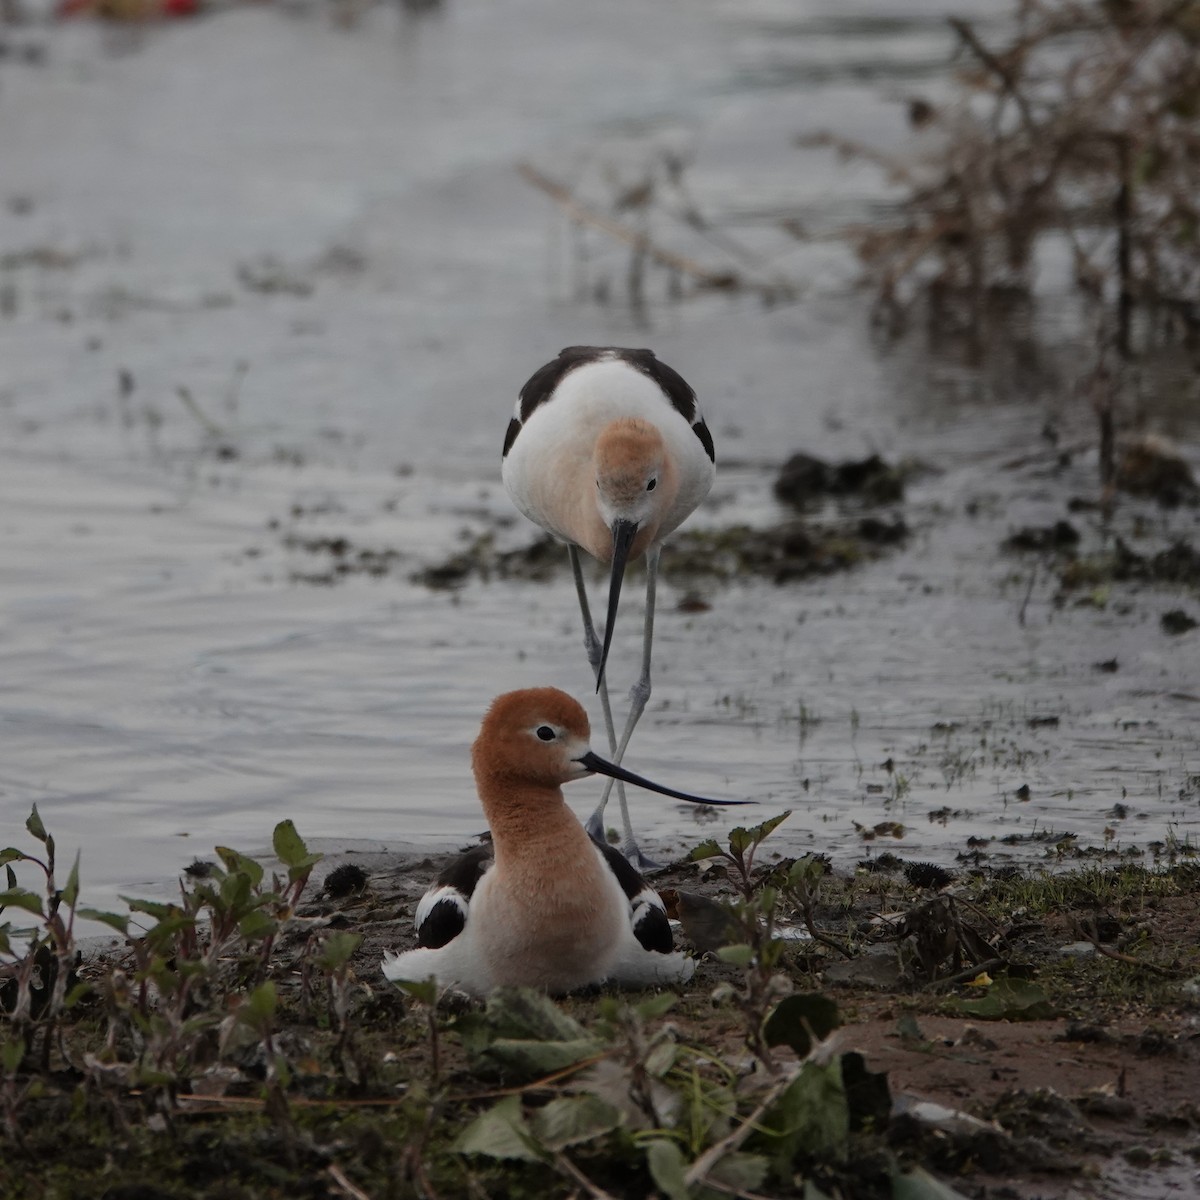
(638, 697)
(592, 644)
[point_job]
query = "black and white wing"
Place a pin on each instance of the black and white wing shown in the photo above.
(650, 924)
(543, 383)
(442, 911)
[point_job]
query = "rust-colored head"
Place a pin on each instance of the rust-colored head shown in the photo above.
(629, 461)
(534, 741)
(531, 738)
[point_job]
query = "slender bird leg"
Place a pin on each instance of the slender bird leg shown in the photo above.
(638, 697)
(592, 644)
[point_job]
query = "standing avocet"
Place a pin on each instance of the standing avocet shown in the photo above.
(546, 905)
(608, 452)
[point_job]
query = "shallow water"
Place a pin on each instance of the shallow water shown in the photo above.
(320, 234)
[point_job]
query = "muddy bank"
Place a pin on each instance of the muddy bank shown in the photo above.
(1041, 1041)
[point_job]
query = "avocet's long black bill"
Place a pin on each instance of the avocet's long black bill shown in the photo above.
(594, 762)
(623, 533)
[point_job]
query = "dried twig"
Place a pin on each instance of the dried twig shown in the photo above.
(344, 1185)
(1082, 931)
(572, 1172)
(824, 938)
(640, 242)
(1028, 593)
(962, 976)
(732, 1140)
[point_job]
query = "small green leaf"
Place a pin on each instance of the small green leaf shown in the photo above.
(117, 921)
(425, 990)
(805, 872)
(570, 1120)
(527, 1013)
(240, 864)
(152, 908)
(10, 854)
(656, 1006)
(531, 1059)
(235, 891)
(740, 1172)
(70, 893)
(260, 1007)
(289, 845)
(501, 1132)
(22, 898)
(199, 1024)
(257, 925)
(740, 840)
(763, 831)
(706, 849)
(811, 1116)
(76, 994)
(300, 869)
(740, 955)
(163, 934)
(337, 949)
(35, 826)
(1011, 1000)
(283, 1073)
(11, 875)
(661, 1059)
(918, 1184)
(12, 1054)
(666, 1163)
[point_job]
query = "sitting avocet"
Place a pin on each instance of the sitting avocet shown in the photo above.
(545, 905)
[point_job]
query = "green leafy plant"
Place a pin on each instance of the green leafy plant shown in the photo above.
(743, 846)
(41, 982)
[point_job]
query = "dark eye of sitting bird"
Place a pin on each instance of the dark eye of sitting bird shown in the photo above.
(545, 733)
(652, 485)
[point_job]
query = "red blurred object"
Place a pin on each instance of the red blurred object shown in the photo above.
(128, 10)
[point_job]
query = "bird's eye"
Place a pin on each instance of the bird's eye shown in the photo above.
(652, 485)
(545, 733)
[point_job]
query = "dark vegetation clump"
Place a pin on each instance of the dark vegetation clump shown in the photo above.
(928, 875)
(1149, 467)
(1176, 621)
(1062, 535)
(346, 880)
(792, 550)
(1176, 565)
(805, 478)
(782, 553)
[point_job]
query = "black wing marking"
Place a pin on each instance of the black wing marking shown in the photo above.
(651, 927)
(674, 386)
(542, 383)
(514, 427)
(700, 429)
(444, 920)
(650, 924)
(676, 389)
(442, 911)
